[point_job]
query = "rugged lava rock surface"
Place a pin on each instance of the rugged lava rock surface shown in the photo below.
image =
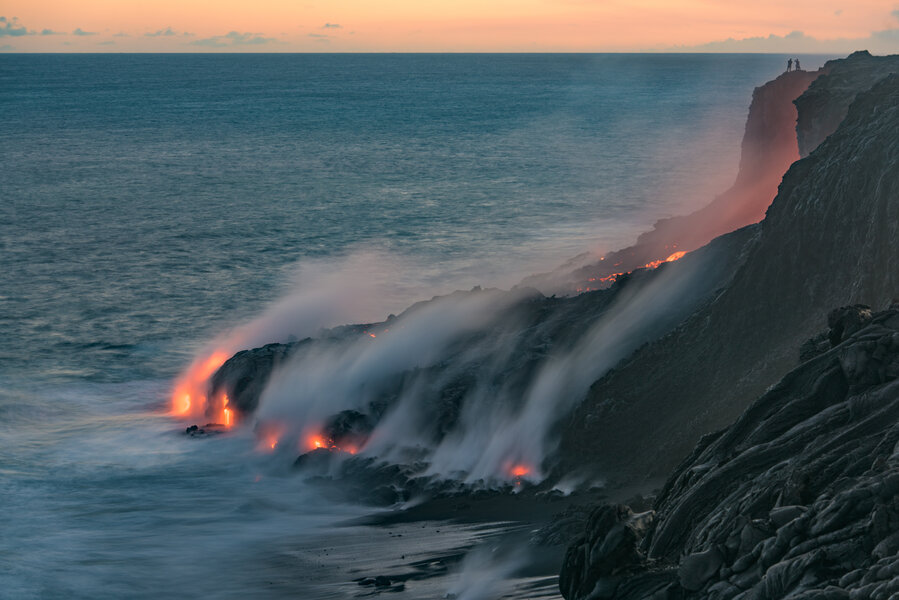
(798, 499)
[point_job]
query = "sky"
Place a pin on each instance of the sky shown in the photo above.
(799, 26)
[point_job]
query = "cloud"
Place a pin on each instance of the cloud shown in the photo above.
(11, 27)
(797, 42)
(233, 38)
(331, 26)
(50, 32)
(168, 31)
(106, 43)
(79, 31)
(321, 38)
(6, 47)
(895, 13)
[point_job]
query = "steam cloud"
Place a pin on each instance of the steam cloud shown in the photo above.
(498, 427)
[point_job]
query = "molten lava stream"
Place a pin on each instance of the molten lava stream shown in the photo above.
(227, 416)
(189, 395)
(650, 265)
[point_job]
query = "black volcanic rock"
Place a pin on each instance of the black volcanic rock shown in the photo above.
(797, 499)
(824, 105)
(243, 376)
(606, 552)
(830, 238)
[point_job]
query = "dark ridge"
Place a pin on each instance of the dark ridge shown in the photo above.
(824, 105)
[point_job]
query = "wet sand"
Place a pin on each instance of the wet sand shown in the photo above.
(454, 548)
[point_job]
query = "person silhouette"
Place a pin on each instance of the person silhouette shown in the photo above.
(796, 62)
(789, 65)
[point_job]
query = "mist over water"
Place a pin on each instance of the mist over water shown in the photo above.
(156, 206)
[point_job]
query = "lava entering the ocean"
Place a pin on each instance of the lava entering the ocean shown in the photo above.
(189, 396)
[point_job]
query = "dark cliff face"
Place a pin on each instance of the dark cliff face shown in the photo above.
(824, 105)
(797, 499)
(830, 238)
(768, 148)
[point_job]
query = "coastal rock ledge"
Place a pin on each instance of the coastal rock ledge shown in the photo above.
(799, 499)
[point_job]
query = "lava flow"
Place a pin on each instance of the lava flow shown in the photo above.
(610, 279)
(189, 396)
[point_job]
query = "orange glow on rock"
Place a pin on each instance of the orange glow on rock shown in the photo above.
(320, 441)
(676, 256)
(189, 395)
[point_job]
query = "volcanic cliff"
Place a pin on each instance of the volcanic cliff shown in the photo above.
(799, 498)
(828, 239)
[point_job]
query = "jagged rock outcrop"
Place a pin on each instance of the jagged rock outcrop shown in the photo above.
(768, 148)
(831, 237)
(798, 499)
(824, 105)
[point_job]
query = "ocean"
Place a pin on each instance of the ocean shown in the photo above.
(150, 203)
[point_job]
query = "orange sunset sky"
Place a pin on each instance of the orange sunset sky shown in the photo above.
(825, 26)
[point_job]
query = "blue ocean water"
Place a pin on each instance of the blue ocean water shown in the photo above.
(149, 201)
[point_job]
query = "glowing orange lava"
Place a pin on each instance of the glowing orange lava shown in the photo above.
(520, 471)
(189, 395)
(226, 412)
(317, 441)
(650, 265)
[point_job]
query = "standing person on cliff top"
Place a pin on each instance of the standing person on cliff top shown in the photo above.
(797, 64)
(789, 65)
